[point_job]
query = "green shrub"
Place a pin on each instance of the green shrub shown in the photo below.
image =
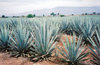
(30, 16)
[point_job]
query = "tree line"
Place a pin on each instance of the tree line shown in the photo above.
(52, 14)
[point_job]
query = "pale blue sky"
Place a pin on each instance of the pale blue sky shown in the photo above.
(18, 6)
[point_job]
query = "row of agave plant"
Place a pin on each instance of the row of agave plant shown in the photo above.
(84, 27)
(36, 40)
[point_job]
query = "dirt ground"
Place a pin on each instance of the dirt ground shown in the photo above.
(5, 58)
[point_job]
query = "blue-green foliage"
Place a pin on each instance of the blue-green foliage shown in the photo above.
(96, 44)
(44, 31)
(4, 37)
(20, 41)
(84, 27)
(44, 40)
(74, 52)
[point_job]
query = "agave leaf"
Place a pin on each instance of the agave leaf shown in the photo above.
(96, 42)
(94, 57)
(63, 53)
(82, 56)
(94, 62)
(93, 51)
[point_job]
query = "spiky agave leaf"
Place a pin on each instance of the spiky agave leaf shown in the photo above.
(44, 41)
(96, 44)
(74, 52)
(4, 37)
(20, 41)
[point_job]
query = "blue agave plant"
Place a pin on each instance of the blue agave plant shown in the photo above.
(96, 45)
(4, 38)
(74, 52)
(20, 41)
(44, 41)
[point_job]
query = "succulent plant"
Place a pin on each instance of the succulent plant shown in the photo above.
(4, 38)
(20, 41)
(44, 43)
(88, 29)
(84, 28)
(74, 53)
(96, 45)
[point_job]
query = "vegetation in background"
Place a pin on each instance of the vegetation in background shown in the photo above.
(61, 15)
(3, 16)
(94, 12)
(86, 13)
(30, 16)
(34, 15)
(53, 14)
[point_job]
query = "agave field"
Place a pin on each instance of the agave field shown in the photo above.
(38, 38)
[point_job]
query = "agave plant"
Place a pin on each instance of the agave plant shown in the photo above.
(74, 52)
(4, 37)
(76, 25)
(20, 41)
(84, 28)
(96, 44)
(88, 29)
(44, 41)
(12, 23)
(65, 25)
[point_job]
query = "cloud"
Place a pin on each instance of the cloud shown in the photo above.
(18, 6)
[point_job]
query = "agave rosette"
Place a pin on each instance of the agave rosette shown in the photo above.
(74, 52)
(44, 41)
(20, 41)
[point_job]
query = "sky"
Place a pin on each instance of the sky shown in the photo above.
(8, 7)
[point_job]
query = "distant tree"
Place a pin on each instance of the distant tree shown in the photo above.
(43, 15)
(72, 14)
(58, 13)
(86, 13)
(61, 15)
(34, 15)
(3, 16)
(13, 16)
(98, 13)
(53, 14)
(94, 12)
(30, 16)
